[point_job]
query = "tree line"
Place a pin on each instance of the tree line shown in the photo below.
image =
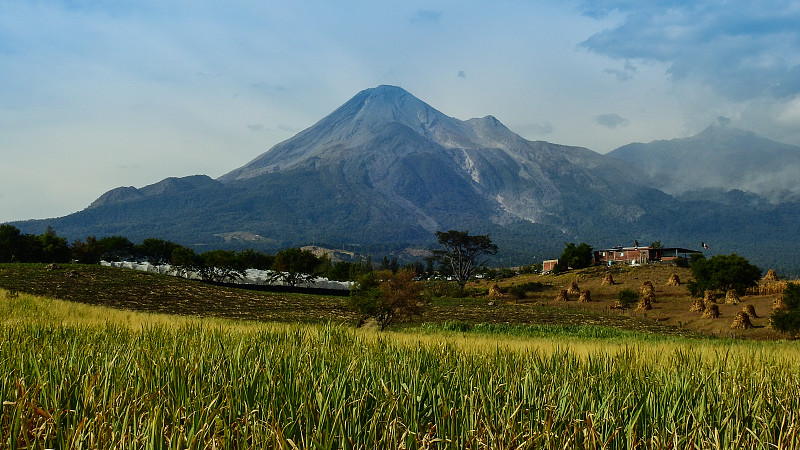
(291, 265)
(459, 259)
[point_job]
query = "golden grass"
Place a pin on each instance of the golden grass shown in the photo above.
(18, 308)
(25, 308)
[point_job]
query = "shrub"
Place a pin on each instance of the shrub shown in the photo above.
(722, 273)
(788, 320)
(627, 297)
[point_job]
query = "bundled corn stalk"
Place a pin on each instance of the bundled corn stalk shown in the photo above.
(608, 280)
(711, 311)
(648, 289)
(698, 305)
(494, 292)
(562, 296)
(750, 310)
(674, 280)
(585, 297)
(766, 287)
(741, 321)
(710, 297)
(731, 297)
(573, 288)
(771, 275)
(645, 302)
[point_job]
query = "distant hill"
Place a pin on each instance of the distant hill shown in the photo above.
(385, 170)
(721, 158)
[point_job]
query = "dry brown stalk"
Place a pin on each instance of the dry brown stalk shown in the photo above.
(710, 297)
(585, 297)
(711, 312)
(750, 310)
(771, 275)
(731, 297)
(608, 280)
(674, 280)
(741, 321)
(647, 288)
(563, 296)
(698, 305)
(645, 303)
(573, 288)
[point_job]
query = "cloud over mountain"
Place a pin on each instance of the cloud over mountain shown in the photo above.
(742, 48)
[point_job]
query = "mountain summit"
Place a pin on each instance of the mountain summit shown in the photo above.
(436, 168)
(380, 111)
(385, 170)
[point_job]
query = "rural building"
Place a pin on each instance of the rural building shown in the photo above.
(549, 264)
(640, 255)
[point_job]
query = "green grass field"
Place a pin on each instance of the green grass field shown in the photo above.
(83, 376)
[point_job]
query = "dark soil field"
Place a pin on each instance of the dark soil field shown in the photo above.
(149, 292)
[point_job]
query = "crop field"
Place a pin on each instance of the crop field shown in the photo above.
(96, 357)
(83, 376)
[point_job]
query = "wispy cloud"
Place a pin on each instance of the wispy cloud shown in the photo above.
(610, 120)
(425, 15)
(742, 48)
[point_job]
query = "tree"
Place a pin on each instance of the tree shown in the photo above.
(221, 266)
(117, 248)
(293, 266)
(53, 248)
(388, 297)
(9, 243)
(462, 253)
(788, 320)
(721, 272)
(156, 251)
(578, 256)
(89, 252)
(185, 260)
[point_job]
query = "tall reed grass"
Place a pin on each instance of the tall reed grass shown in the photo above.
(195, 386)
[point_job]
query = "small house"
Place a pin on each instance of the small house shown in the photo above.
(640, 255)
(549, 264)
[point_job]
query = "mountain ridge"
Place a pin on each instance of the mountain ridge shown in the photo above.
(385, 170)
(720, 157)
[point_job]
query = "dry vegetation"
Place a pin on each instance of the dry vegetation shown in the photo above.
(671, 305)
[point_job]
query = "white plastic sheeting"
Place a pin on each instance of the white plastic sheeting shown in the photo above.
(252, 276)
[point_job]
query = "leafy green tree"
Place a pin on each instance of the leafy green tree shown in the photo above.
(252, 259)
(156, 251)
(462, 253)
(388, 297)
(293, 266)
(788, 320)
(578, 256)
(721, 273)
(89, 252)
(53, 248)
(9, 243)
(221, 266)
(185, 260)
(117, 248)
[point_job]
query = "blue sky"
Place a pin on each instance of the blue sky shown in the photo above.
(100, 94)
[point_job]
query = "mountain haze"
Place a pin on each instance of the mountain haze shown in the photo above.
(719, 158)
